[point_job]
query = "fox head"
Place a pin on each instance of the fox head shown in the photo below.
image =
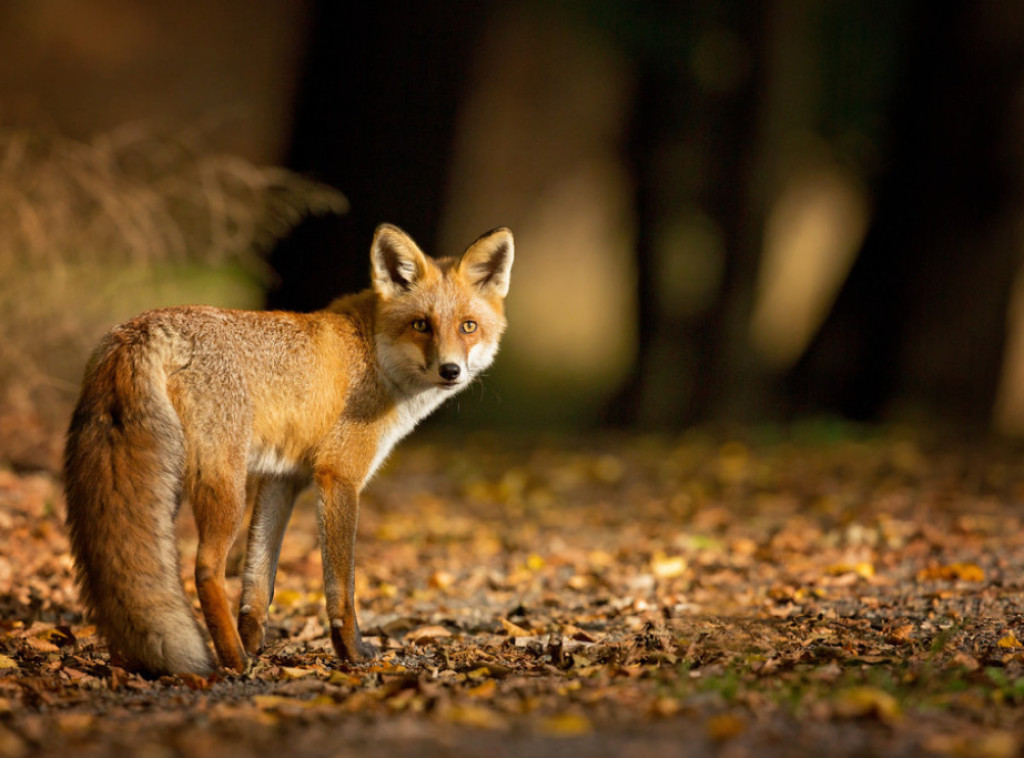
(438, 321)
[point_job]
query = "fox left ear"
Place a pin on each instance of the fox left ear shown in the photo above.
(396, 261)
(487, 263)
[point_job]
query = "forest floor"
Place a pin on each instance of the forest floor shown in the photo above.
(849, 594)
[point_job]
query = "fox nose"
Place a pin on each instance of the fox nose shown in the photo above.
(449, 371)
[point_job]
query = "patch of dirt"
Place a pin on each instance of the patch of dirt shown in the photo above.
(854, 593)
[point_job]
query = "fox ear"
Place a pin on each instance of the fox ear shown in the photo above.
(396, 262)
(487, 263)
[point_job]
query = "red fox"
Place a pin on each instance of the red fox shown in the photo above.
(224, 407)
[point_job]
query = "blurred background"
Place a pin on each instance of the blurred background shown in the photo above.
(725, 210)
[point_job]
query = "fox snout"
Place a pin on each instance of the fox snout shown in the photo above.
(449, 371)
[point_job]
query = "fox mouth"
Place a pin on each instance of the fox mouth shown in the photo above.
(435, 380)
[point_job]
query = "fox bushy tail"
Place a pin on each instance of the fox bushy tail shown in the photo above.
(123, 469)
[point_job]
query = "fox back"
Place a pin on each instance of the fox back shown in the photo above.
(221, 407)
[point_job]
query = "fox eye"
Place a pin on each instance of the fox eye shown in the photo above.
(468, 327)
(421, 325)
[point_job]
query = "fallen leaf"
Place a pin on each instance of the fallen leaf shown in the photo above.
(291, 672)
(514, 630)
(269, 702)
(1009, 641)
(724, 727)
(668, 566)
(485, 689)
(426, 634)
(867, 701)
(474, 716)
(863, 569)
(566, 724)
(967, 572)
(902, 634)
(441, 580)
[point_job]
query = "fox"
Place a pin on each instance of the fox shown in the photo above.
(225, 408)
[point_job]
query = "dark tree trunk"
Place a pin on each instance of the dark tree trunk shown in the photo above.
(694, 148)
(375, 118)
(920, 323)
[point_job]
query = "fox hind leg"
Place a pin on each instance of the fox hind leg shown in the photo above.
(272, 508)
(219, 506)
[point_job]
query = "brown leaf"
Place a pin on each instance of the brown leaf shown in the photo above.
(967, 572)
(427, 634)
(724, 727)
(566, 724)
(514, 630)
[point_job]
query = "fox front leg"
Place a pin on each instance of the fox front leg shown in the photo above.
(339, 514)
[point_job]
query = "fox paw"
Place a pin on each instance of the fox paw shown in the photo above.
(252, 631)
(351, 647)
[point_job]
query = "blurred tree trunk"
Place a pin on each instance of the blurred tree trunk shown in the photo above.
(375, 118)
(693, 149)
(920, 323)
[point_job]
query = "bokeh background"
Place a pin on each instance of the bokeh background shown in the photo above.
(725, 210)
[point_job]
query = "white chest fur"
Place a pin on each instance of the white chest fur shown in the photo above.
(408, 412)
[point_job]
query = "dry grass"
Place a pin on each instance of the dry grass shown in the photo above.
(82, 223)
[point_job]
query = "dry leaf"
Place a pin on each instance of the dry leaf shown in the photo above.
(475, 716)
(566, 724)
(668, 566)
(427, 634)
(967, 572)
(1009, 641)
(725, 726)
(867, 701)
(514, 630)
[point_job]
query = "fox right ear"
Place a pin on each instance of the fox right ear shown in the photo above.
(396, 261)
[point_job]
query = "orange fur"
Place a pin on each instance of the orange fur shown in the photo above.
(225, 407)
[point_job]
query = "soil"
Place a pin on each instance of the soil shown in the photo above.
(834, 590)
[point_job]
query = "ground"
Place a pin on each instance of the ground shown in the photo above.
(832, 590)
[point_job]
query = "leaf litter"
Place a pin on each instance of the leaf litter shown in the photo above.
(770, 595)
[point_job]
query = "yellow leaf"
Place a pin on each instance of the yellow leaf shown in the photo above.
(578, 582)
(534, 562)
(514, 630)
(267, 702)
(725, 726)
(485, 689)
(967, 572)
(665, 706)
(289, 672)
(601, 559)
(343, 679)
(285, 598)
(867, 701)
(71, 723)
(668, 567)
(56, 637)
(475, 716)
(7, 662)
(864, 569)
(1010, 641)
(441, 580)
(566, 725)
